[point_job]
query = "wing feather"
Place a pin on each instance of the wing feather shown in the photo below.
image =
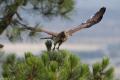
(38, 30)
(42, 30)
(90, 22)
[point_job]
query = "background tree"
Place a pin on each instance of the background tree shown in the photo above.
(55, 65)
(10, 13)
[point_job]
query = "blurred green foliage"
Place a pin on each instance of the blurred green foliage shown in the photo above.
(11, 16)
(55, 65)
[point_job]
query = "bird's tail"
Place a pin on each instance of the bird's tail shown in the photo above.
(46, 38)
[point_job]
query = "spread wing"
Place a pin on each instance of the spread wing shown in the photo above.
(38, 30)
(41, 30)
(90, 22)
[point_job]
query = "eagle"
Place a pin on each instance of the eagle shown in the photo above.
(60, 37)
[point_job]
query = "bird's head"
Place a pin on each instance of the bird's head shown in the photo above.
(64, 34)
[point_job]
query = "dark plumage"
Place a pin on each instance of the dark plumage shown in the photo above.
(1, 46)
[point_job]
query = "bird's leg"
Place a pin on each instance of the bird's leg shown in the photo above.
(59, 45)
(54, 46)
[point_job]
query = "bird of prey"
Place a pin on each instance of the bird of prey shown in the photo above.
(59, 38)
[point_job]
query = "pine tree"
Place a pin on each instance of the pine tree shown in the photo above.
(48, 8)
(54, 65)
